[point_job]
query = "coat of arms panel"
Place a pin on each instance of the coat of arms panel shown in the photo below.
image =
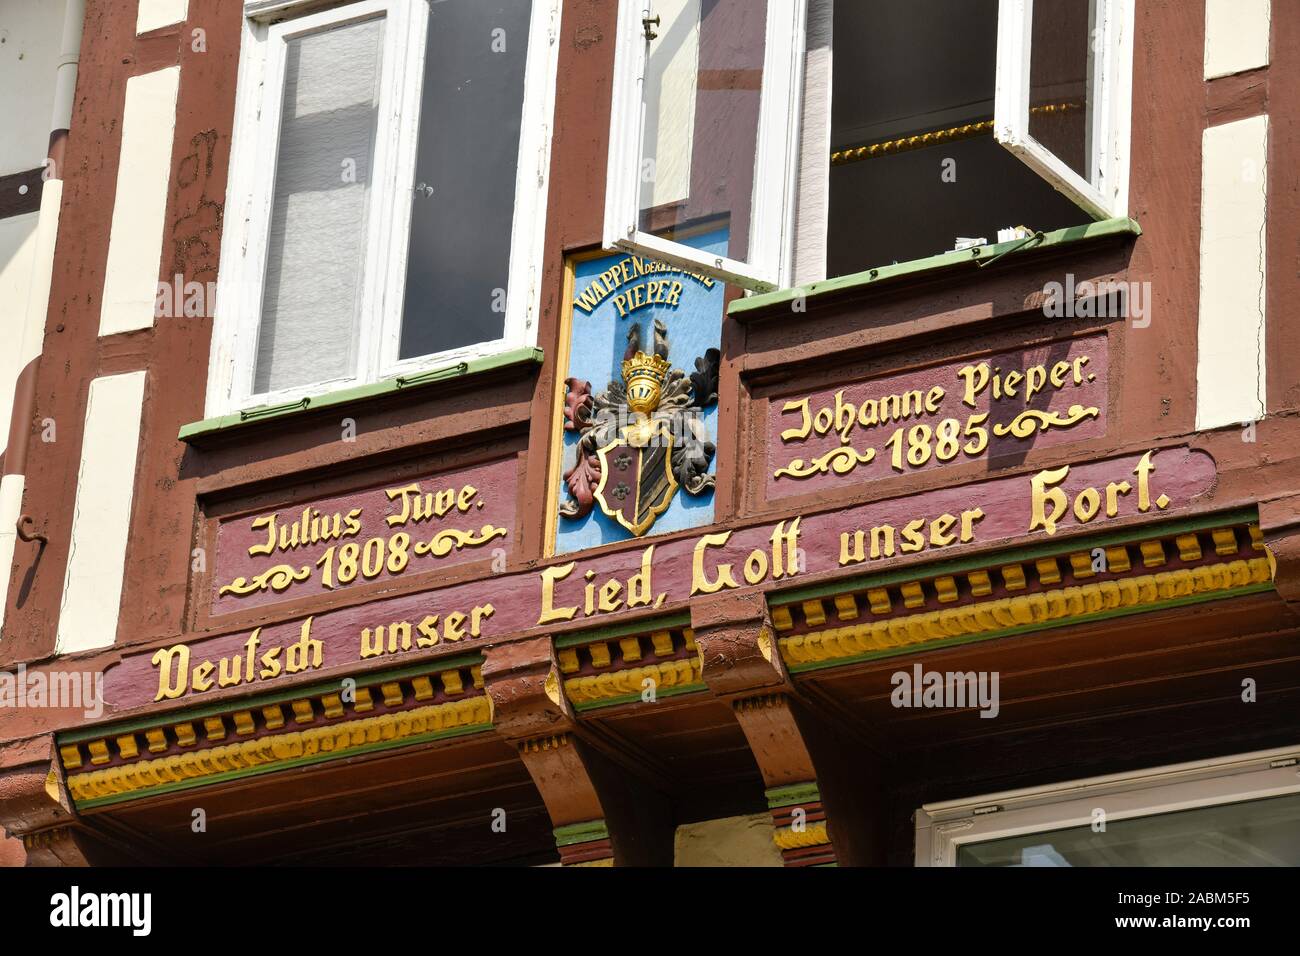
(640, 403)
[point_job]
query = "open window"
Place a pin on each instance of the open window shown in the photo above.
(703, 134)
(960, 125)
(1065, 93)
(928, 126)
(386, 199)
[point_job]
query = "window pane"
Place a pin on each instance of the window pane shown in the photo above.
(1251, 833)
(317, 241)
(703, 81)
(1060, 71)
(466, 164)
(914, 165)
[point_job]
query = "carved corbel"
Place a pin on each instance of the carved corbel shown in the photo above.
(800, 752)
(1279, 525)
(35, 806)
(599, 815)
(738, 652)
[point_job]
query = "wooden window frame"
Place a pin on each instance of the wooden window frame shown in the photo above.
(768, 263)
(268, 24)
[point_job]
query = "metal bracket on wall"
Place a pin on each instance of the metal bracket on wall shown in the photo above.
(30, 536)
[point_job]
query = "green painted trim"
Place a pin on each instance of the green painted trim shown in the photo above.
(581, 833)
(280, 697)
(392, 386)
(285, 765)
(612, 631)
(633, 698)
(791, 794)
(1027, 628)
(946, 260)
(992, 559)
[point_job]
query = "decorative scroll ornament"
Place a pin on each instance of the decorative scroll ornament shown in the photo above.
(452, 539)
(641, 439)
(841, 460)
(277, 579)
(1031, 420)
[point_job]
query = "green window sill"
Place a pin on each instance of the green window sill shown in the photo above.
(742, 309)
(401, 385)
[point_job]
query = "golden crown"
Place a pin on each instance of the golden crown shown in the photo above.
(645, 376)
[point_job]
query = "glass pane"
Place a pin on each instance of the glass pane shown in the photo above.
(466, 164)
(1251, 833)
(1060, 80)
(914, 168)
(703, 80)
(317, 241)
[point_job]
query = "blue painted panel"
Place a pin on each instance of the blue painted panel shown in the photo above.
(603, 313)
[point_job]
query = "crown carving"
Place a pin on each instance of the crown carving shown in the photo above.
(645, 376)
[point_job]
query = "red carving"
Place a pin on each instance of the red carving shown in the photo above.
(581, 479)
(577, 404)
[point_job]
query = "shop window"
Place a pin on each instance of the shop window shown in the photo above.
(944, 125)
(385, 207)
(1239, 811)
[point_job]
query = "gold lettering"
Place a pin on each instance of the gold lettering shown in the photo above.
(201, 679)
(940, 528)
(477, 616)
(856, 553)
(270, 664)
(700, 583)
(1143, 472)
(1087, 504)
(1113, 491)
(305, 652)
(913, 539)
(549, 611)
(173, 673)
(790, 434)
(1043, 494)
(267, 521)
(977, 379)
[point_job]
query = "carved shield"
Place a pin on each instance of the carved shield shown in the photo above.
(636, 476)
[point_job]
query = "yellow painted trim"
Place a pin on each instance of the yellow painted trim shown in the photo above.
(1022, 610)
(555, 470)
(622, 683)
(279, 748)
(814, 835)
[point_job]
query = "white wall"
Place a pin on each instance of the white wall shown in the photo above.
(17, 256)
(101, 518)
(1231, 351)
(32, 31)
(1236, 36)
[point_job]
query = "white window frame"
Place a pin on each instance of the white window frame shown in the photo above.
(250, 194)
(1104, 193)
(771, 227)
(943, 828)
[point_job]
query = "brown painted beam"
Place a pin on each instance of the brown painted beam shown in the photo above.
(1279, 522)
(602, 815)
(820, 783)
